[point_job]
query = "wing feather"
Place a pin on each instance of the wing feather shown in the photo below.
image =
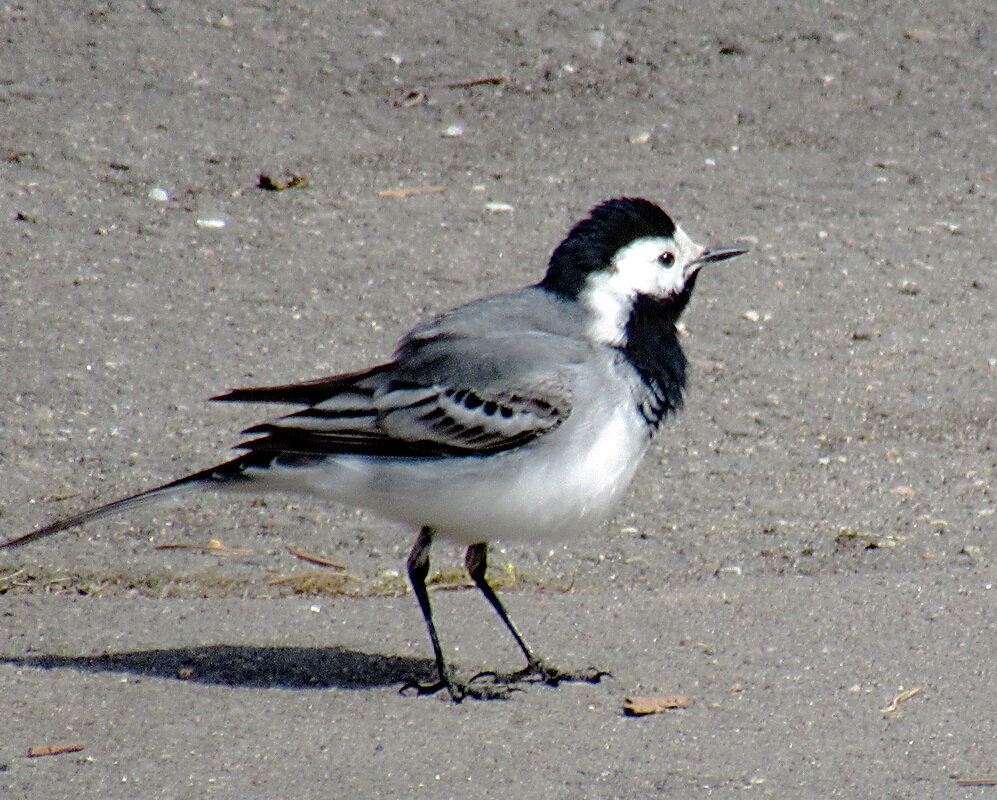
(457, 386)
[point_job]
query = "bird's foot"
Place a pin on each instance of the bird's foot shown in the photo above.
(459, 690)
(539, 671)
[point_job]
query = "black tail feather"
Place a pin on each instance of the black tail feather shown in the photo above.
(223, 473)
(305, 394)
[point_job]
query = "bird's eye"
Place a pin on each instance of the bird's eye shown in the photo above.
(666, 259)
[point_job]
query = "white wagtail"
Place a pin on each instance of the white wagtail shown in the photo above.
(518, 416)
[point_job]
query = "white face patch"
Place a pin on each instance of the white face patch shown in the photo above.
(636, 269)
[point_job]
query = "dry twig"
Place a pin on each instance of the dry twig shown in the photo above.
(493, 80)
(410, 191)
(313, 559)
(214, 546)
(992, 781)
(900, 698)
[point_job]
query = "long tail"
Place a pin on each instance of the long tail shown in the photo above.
(223, 473)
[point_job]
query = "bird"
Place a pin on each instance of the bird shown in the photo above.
(519, 416)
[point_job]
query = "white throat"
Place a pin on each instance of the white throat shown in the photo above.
(609, 295)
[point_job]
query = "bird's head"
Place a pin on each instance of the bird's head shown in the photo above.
(627, 250)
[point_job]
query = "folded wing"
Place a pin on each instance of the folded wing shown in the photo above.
(445, 394)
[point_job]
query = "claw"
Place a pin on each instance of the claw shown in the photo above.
(553, 676)
(424, 689)
(545, 673)
(459, 690)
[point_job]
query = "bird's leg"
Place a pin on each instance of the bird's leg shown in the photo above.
(476, 561)
(418, 569)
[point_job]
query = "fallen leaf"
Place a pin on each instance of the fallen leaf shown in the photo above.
(641, 706)
(868, 541)
(55, 749)
(271, 185)
(409, 98)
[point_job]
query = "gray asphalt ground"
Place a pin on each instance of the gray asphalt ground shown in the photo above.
(807, 544)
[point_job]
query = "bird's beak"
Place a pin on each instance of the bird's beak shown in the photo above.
(719, 254)
(712, 255)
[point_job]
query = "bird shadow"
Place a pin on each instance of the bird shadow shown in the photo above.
(259, 667)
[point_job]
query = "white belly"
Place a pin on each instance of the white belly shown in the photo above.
(558, 486)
